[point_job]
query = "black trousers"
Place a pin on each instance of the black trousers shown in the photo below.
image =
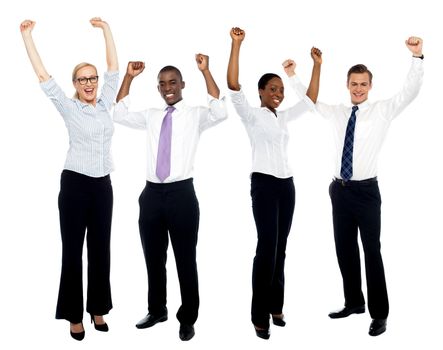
(85, 204)
(356, 206)
(171, 207)
(273, 201)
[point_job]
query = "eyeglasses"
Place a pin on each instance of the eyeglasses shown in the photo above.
(84, 80)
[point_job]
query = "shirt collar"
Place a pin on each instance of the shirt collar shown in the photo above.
(180, 105)
(86, 105)
(268, 110)
(362, 105)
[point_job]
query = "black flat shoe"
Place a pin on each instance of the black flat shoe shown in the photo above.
(186, 332)
(100, 327)
(377, 327)
(346, 311)
(151, 320)
(78, 335)
(279, 321)
(262, 333)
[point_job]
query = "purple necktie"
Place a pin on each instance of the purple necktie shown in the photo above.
(164, 147)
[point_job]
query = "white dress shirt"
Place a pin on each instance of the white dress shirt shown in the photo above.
(90, 128)
(372, 123)
(187, 125)
(268, 133)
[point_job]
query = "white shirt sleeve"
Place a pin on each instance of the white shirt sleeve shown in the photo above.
(63, 104)
(122, 115)
(414, 80)
(213, 115)
(109, 89)
(242, 106)
(300, 90)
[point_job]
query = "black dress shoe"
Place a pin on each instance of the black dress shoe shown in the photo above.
(346, 311)
(377, 327)
(151, 320)
(279, 321)
(263, 333)
(186, 332)
(100, 327)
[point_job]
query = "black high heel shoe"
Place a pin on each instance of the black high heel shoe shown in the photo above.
(279, 321)
(78, 335)
(100, 327)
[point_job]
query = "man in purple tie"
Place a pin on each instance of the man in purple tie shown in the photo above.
(168, 204)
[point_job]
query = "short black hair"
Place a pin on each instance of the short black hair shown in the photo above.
(265, 79)
(170, 68)
(359, 69)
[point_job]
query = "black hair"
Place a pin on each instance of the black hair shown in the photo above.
(170, 68)
(265, 79)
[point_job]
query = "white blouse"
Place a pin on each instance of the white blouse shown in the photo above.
(268, 133)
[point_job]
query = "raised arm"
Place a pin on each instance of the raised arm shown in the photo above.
(134, 68)
(203, 66)
(314, 84)
(237, 36)
(26, 28)
(111, 51)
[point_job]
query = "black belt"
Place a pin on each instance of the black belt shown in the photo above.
(355, 182)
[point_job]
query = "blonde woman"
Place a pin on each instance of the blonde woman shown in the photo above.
(86, 199)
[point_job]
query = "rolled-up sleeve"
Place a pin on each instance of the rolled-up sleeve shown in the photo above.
(242, 106)
(58, 97)
(122, 115)
(109, 89)
(214, 114)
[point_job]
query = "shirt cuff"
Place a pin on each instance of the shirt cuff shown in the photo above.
(211, 98)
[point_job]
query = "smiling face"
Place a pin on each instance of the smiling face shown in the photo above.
(86, 93)
(273, 94)
(170, 86)
(359, 85)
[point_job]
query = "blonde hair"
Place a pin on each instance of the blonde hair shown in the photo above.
(76, 69)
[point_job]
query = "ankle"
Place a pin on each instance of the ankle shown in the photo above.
(76, 327)
(98, 319)
(260, 328)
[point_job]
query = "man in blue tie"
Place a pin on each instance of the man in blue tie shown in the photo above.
(359, 132)
(168, 205)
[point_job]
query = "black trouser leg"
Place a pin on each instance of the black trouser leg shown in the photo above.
(370, 227)
(273, 202)
(98, 240)
(346, 243)
(154, 238)
(183, 222)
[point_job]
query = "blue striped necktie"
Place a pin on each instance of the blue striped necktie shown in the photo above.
(348, 147)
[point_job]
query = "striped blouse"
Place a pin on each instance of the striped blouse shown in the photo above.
(90, 128)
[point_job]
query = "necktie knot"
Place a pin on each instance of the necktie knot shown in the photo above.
(354, 109)
(171, 109)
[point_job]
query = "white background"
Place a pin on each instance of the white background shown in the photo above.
(33, 145)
